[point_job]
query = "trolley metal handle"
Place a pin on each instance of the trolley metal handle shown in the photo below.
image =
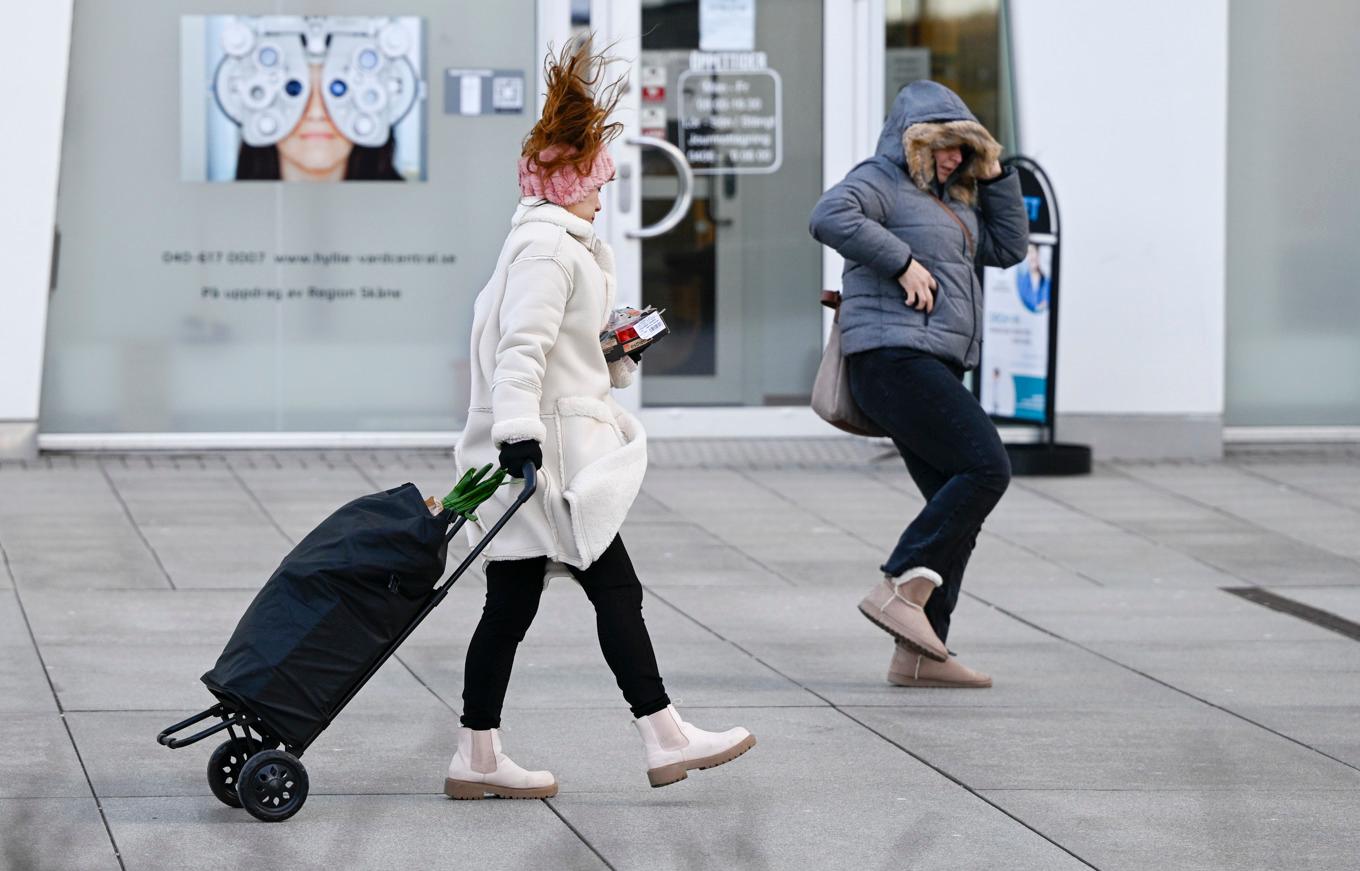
(228, 720)
(530, 485)
(525, 494)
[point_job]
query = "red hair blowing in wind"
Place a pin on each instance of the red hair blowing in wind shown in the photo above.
(565, 155)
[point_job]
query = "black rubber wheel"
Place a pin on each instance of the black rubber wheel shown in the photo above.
(225, 763)
(272, 785)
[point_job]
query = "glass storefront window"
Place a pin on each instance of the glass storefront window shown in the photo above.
(960, 44)
(739, 277)
(278, 223)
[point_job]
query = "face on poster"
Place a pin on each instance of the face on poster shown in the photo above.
(303, 98)
(1014, 372)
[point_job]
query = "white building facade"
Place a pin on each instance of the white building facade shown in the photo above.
(164, 286)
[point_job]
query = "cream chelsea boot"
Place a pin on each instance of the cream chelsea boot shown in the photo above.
(480, 768)
(674, 747)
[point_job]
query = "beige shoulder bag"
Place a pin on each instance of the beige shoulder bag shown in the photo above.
(831, 397)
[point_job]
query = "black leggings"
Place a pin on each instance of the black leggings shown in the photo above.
(513, 588)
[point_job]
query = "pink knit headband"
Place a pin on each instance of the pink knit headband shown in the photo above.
(566, 186)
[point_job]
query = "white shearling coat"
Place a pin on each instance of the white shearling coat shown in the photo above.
(538, 373)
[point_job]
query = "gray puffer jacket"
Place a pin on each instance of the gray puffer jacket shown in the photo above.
(890, 209)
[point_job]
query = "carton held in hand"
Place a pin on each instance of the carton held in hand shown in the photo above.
(630, 331)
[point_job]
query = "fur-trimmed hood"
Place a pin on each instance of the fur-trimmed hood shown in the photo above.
(926, 116)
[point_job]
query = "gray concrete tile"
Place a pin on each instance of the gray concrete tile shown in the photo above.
(54, 833)
(1281, 673)
(646, 508)
(1130, 504)
(685, 553)
(996, 561)
(1262, 558)
(748, 574)
(1023, 675)
(109, 558)
(1263, 504)
(13, 630)
(400, 750)
(1344, 602)
(299, 500)
(565, 616)
(1338, 483)
(1196, 830)
(769, 808)
(1109, 601)
(710, 673)
(1122, 559)
(1172, 617)
(165, 677)
(376, 833)
(23, 685)
(823, 617)
(196, 574)
(773, 563)
(1188, 747)
(1022, 513)
(1330, 728)
(130, 677)
(37, 758)
(119, 617)
(598, 751)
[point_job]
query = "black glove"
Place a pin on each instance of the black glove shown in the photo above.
(514, 454)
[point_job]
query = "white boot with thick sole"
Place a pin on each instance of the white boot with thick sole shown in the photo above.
(674, 747)
(479, 769)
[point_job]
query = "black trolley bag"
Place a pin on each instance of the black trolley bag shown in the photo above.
(337, 607)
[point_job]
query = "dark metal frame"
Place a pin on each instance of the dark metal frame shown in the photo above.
(233, 719)
(1046, 426)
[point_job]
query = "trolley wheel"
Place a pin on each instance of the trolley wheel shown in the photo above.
(272, 785)
(225, 763)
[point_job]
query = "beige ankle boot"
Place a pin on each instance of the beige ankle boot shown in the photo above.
(897, 606)
(910, 669)
(674, 747)
(479, 768)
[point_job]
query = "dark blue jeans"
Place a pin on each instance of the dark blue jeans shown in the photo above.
(953, 453)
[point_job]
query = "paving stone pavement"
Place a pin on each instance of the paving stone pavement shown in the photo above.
(1142, 718)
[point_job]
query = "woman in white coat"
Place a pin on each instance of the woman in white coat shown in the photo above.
(541, 394)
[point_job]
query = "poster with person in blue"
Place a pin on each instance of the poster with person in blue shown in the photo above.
(1014, 383)
(1033, 282)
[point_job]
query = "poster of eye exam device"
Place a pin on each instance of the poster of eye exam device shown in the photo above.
(302, 98)
(255, 221)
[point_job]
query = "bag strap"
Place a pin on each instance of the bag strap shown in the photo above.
(967, 234)
(832, 300)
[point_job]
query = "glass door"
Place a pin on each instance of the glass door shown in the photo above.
(713, 228)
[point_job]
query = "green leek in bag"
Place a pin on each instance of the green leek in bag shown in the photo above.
(472, 490)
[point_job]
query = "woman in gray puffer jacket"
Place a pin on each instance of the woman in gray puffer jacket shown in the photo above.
(913, 223)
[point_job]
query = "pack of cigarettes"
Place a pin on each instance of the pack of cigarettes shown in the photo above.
(631, 330)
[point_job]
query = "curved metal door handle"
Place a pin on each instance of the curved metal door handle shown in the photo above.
(682, 199)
